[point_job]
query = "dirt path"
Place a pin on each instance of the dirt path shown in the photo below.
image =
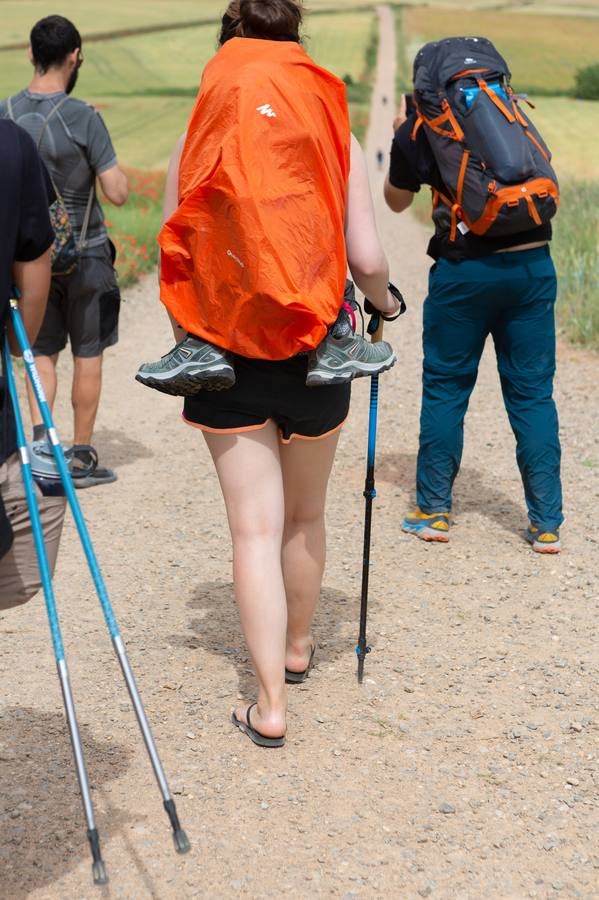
(466, 765)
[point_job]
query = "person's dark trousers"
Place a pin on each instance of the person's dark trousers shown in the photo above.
(511, 296)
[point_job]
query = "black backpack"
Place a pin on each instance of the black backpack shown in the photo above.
(493, 162)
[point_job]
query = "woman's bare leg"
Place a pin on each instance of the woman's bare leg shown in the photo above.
(249, 471)
(306, 469)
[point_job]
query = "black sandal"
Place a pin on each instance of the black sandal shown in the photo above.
(298, 677)
(84, 468)
(256, 736)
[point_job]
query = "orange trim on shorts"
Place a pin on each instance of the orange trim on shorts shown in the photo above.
(239, 430)
(244, 428)
(313, 437)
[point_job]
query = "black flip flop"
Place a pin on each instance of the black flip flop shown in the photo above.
(256, 736)
(84, 468)
(298, 677)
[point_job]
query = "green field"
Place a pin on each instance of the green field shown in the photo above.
(144, 84)
(543, 52)
(92, 18)
(576, 254)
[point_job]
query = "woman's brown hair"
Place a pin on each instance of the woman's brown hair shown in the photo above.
(268, 19)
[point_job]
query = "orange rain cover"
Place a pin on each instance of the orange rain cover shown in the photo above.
(253, 259)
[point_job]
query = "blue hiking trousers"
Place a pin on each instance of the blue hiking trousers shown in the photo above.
(511, 296)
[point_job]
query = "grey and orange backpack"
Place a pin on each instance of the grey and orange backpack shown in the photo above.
(493, 162)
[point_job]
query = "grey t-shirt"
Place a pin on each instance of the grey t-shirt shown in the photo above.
(75, 147)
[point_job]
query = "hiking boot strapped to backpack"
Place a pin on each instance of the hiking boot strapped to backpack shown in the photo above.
(493, 162)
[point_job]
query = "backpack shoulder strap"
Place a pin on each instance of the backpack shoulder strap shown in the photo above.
(87, 216)
(11, 114)
(54, 109)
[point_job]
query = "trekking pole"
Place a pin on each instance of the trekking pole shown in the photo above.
(179, 837)
(375, 330)
(98, 869)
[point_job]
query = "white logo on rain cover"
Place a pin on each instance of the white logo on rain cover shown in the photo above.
(266, 110)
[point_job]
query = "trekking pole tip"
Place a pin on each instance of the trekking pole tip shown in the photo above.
(361, 670)
(181, 841)
(99, 872)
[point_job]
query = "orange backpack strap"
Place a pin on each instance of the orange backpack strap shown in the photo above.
(456, 134)
(417, 127)
(462, 176)
(495, 99)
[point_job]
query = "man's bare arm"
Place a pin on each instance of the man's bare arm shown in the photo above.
(397, 199)
(114, 185)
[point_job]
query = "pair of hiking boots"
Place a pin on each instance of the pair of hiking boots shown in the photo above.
(194, 364)
(434, 527)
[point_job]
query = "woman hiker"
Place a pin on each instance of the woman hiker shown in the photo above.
(266, 203)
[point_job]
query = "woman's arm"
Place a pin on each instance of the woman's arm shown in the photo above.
(171, 187)
(365, 255)
(169, 205)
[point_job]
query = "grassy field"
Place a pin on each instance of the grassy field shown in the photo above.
(576, 254)
(91, 17)
(571, 130)
(134, 227)
(144, 84)
(544, 52)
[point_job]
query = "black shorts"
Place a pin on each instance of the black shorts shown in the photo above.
(271, 391)
(82, 307)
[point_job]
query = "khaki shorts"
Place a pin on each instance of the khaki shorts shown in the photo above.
(19, 570)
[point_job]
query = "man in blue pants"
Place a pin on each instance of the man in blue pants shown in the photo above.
(505, 287)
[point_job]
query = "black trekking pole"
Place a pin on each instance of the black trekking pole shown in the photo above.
(179, 837)
(375, 330)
